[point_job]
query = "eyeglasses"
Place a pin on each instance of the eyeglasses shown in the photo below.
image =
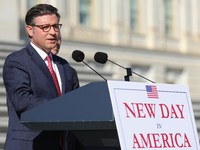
(47, 27)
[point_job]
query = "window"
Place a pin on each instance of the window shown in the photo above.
(168, 17)
(85, 12)
(173, 76)
(134, 15)
(141, 70)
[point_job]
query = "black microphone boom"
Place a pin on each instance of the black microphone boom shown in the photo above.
(79, 56)
(102, 58)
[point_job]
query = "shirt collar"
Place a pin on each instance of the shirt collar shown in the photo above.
(42, 54)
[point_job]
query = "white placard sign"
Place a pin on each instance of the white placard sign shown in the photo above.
(153, 116)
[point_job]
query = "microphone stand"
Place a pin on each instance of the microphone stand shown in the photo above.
(129, 72)
(94, 70)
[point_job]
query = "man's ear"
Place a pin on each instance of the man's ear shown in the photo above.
(29, 29)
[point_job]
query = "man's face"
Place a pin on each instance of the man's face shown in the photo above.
(44, 40)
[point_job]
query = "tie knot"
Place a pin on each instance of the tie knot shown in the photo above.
(48, 58)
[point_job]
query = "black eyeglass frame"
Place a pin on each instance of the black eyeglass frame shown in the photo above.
(56, 27)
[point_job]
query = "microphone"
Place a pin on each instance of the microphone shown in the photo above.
(79, 56)
(102, 58)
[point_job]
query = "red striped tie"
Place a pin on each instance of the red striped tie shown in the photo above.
(57, 87)
(53, 75)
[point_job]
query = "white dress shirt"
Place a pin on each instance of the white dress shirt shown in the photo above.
(43, 55)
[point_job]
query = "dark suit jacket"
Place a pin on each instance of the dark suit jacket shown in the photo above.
(28, 84)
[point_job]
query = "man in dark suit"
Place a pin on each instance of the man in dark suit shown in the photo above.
(29, 82)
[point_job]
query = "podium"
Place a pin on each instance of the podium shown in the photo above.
(137, 115)
(86, 111)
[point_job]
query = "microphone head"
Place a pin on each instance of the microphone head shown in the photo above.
(101, 57)
(78, 56)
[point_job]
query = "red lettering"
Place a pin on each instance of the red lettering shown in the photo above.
(162, 140)
(172, 139)
(165, 140)
(135, 141)
(140, 110)
(181, 111)
(162, 111)
(156, 140)
(146, 141)
(186, 141)
(173, 112)
(150, 110)
(132, 111)
(176, 141)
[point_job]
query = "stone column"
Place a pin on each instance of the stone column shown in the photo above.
(9, 19)
(153, 14)
(185, 23)
(118, 35)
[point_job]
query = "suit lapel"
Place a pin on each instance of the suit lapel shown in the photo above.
(39, 62)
